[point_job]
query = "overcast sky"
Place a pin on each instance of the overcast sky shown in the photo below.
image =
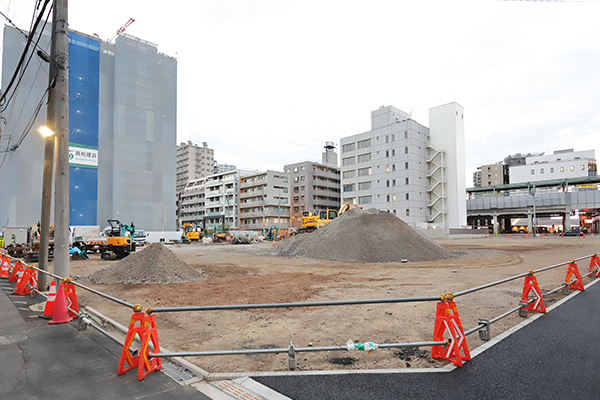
(268, 82)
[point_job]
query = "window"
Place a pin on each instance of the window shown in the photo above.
(572, 168)
(542, 171)
(393, 137)
(406, 165)
(302, 188)
(393, 167)
(407, 212)
(295, 179)
(348, 147)
(405, 134)
(562, 169)
(406, 181)
(295, 169)
(302, 168)
(387, 139)
(296, 198)
(287, 171)
(348, 161)
(388, 198)
(406, 150)
(407, 196)
(583, 167)
(394, 197)
(364, 185)
(387, 168)
(393, 152)
(387, 153)
(364, 171)
(552, 170)
(349, 174)
(349, 188)
(302, 177)
(363, 144)
(364, 157)
(393, 182)
(364, 200)
(296, 208)
(302, 198)
(533, 172)
(387, 183)
(394, 212)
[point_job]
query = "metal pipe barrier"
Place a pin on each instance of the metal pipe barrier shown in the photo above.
(86, 320)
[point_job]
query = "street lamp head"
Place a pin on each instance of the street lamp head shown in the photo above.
(45, 131)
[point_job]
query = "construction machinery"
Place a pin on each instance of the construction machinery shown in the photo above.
(189, 233)
(219, 235)
(311, 221)
(119, 242)
(271, 233)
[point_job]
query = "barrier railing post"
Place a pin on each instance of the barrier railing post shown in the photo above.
(595, 264)
(292, 356)
(145, 327)
(448, 319)
(572, 270)
(531, 287)
(484, 334)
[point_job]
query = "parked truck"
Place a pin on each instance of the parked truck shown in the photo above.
(88, 238)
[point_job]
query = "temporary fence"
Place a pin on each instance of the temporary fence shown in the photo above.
(448, 342)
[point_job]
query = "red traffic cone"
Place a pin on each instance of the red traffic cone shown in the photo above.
(60, 314)
(50, 301)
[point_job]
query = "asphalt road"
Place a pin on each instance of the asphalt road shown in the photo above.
(555, 357)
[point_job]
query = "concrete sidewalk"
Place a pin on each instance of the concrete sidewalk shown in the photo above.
(41, 361)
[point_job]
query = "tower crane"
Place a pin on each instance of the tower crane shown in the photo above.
(122, 29)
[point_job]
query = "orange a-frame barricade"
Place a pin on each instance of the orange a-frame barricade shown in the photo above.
(71, 297)
(4, 267)
(26, 282)
(145, 327)
(447, 319)
(16, 272)
(595, 263)
(573, 270)
(531, 285)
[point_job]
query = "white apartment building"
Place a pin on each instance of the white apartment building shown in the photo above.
(193, 162)
(562, 164)
(265, 201)
(403, 167)
(213, 200)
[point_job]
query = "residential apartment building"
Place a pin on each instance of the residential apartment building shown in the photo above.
(265, 201)
(213, 200)
(403, 167)
(562, 164)
(489, 175)
(194, 162)
(122, 132)
(315, 186)
(223, 167)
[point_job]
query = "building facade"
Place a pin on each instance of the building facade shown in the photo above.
(122, 133)
(193, 162)
(265, 201)
(315, 186)
(561, 164)
(403, 167)
(489, 175)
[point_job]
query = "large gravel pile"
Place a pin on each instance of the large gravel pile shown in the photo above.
(154, 264)
(363, 236)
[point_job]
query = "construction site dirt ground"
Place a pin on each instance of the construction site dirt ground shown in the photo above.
(239, 274)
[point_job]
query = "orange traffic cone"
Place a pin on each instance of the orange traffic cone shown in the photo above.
(60, 314)
(573, 270)
(4, 266)
(530, 285)
(50, 301)
(71, 297)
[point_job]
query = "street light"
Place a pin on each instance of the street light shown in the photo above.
(45, 131)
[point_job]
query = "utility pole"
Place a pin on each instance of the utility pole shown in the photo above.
(49, 142)
(60, 39)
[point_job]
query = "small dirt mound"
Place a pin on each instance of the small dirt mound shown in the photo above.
(154, 264)
(363, 236)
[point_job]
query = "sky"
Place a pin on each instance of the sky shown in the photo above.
(268, 82)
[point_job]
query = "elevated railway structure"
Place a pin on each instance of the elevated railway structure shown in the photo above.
(496, 206)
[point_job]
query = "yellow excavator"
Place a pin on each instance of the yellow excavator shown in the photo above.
(119, 242)
(311, 221)
(189, 233)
